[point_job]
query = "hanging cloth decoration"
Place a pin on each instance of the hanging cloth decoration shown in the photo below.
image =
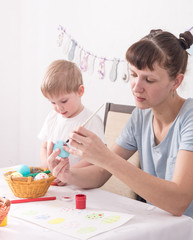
(84, 62)
(190, 50)
(78, 55)
(125, 72)
(60, 36)
(88, 61)
(91, 63)
(101, 69)
(66, 46)
(60, 39)
(72, 50)
(113, 72)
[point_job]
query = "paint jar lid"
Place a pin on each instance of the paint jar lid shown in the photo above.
(66, 198)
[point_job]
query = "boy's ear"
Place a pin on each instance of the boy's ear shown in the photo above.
(178, 80)
(81, 90)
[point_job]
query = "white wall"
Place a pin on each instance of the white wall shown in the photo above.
(10, 55)
(29, 44)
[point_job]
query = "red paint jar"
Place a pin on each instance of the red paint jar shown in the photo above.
(80, 201)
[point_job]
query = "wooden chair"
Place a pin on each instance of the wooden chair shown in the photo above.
(115, 118)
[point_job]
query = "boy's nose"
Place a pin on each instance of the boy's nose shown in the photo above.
(60, 108)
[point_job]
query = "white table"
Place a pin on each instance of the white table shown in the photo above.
(148, 223)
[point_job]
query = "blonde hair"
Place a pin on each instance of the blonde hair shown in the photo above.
(61, 77)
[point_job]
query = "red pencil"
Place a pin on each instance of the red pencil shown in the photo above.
(33, 199)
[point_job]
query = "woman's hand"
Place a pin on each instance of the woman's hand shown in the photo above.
(89, 146)
(57, 182)
(58, 166)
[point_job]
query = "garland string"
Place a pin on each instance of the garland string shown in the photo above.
(86, 60)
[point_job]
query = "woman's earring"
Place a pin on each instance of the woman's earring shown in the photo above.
(173, 94)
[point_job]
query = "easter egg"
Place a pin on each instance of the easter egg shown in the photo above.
(24, 170)
(16, 174)
(40, 176)
(63, 153)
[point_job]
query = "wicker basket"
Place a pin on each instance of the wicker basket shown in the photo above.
(4, 209)
(26, 187)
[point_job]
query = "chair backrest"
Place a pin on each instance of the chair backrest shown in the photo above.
(119, 108)
(115, 118)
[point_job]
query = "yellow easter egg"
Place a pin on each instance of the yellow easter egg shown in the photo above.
(16, 174)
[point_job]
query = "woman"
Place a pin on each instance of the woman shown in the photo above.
(160, 128)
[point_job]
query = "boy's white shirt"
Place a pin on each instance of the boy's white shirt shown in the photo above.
(56, 128)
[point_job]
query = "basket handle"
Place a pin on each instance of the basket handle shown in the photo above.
(29, 179)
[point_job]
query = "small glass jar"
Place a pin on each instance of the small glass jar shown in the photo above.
(80, 201)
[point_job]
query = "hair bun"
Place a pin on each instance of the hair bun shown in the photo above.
(186, 39)
(154, 32)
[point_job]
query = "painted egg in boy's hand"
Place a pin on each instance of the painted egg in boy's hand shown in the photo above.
(60, 145)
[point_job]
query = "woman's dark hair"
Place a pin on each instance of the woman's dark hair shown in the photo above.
(163, 48)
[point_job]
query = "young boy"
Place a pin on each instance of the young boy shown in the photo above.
(63, 86)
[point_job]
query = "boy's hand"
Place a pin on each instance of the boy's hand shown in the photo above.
(52, 156)
(58, 167)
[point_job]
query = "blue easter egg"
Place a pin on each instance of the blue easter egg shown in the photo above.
(24, 170)
(63, 153)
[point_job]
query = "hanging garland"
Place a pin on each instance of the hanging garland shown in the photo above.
(86, 60)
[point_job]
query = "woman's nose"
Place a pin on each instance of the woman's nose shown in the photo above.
(137, 85)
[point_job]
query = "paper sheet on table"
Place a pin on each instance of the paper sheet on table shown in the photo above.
(81, 224)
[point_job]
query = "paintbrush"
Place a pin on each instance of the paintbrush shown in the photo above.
(91, 116)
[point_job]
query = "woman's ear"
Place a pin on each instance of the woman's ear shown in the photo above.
(81, 90)
(178, 80)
